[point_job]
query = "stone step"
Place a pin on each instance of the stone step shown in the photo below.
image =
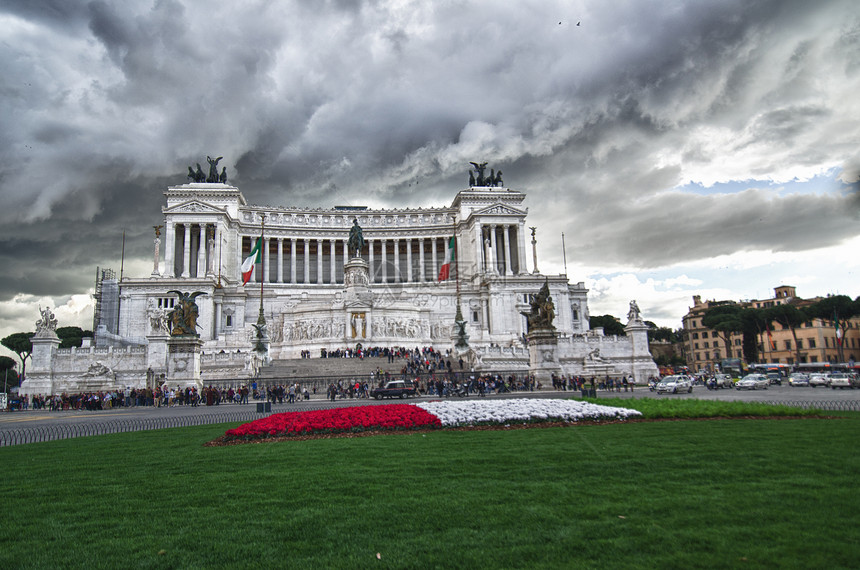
(311, 367)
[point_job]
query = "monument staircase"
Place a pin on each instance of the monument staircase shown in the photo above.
(329, 367)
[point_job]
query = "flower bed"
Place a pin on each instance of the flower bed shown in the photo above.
(481, 412)
(359, 418)
(428, 415)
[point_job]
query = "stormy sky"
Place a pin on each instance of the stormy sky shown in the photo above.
(683, 148)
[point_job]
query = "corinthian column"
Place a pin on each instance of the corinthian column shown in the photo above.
(307, 259)
(493, 251)
(280, 260)
(157, 242)
(201, 252)
(421, 277)
(370, 261)
(319, 262)
(186, 251)
(332, 262)
(384, 266)
(408, 260)
(397, 261)
(293, 260)
(507, 246)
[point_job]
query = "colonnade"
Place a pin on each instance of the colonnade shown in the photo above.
(190, 249)
(190, 252)
(313, 260)
(502, 248)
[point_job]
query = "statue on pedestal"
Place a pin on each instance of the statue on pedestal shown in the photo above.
(213, 168)
(356, 238)
(542, 310)
(494, 179)
(633, 314)
(182, 320)
(198, 175)
(47, 325)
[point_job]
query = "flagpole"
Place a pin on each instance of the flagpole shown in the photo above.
(261, 320)
(456, 257)
(122, 257)
(564, 253)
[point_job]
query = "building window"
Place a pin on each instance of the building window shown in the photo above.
(166, 302)
(228, 321)
(811, 343)
(474, 316)
(696, 346)
(788, 345)
(800, 344)
(695, 335)
(704, 334)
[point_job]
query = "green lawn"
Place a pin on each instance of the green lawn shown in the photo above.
(717, 493)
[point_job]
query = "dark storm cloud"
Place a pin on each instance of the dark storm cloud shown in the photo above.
(381, 103)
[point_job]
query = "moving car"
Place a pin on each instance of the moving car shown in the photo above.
(394, 389)
(842, 380)
(753, 382)
(675, 384)
(819, 380)
(723, 381)
(798, 379)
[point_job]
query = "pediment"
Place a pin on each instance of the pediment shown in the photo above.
(499, 209)
(194, 207)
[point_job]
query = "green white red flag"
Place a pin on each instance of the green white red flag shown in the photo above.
(450, 256)
(255, 257)
(838, 329)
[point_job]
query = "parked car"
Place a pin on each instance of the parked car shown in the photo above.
(753, 382)
(798, 379)
(841, 380)
(774, 378)
(819, 380)
(394, 389)
(675, 384)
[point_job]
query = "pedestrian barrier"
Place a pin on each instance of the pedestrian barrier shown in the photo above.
(68, 431)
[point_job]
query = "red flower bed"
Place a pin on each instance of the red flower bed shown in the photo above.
(360, 418)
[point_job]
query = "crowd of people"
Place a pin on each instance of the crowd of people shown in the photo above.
(432, 372)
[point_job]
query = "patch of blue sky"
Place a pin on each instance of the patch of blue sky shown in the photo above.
(825, 183)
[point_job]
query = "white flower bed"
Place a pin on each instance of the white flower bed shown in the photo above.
(468, 412)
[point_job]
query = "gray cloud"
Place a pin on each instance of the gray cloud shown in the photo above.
(106, 103)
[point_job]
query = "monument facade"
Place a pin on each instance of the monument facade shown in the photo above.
(332, 278)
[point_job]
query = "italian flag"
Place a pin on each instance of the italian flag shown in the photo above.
(838, 329)
(255, 257)
(445, 270)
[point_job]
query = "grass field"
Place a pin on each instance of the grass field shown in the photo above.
(677, 494)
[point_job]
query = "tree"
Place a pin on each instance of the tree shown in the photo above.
(726, 320)
(790, 317)
(754, 324)
(7, 371)
(611, 325)
(20, 344)
(666, 334)
(837, 308)
(71, 336)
